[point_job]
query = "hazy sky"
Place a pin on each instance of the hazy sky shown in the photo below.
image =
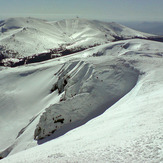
(113, 10)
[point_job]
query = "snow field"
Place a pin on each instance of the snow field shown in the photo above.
(112, 93)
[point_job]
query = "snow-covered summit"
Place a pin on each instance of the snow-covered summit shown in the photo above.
(28, 36)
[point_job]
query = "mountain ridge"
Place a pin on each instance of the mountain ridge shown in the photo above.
(30, 40)
(42, 35)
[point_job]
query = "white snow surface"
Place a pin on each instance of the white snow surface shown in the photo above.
(29, 36)
(122, 82)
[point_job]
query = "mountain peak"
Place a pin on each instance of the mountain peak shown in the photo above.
(29, 36)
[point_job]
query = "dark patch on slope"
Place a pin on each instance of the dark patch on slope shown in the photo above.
(151, 38)
(46, 56)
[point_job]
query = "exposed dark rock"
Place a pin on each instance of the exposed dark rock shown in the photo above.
(59, 120)
(61, 51)
(54, 88)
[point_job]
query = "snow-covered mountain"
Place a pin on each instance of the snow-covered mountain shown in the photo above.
(20, 37)
(112, 92)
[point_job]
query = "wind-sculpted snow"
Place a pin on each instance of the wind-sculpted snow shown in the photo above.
(87, 91)
(131, 48)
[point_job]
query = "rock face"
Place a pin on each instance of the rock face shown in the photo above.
(87, 90)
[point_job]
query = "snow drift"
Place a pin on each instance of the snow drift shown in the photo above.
(88, 91)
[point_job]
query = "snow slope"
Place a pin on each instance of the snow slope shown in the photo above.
(130, 131)
(52, 97)
(20, 37)
(21, 89)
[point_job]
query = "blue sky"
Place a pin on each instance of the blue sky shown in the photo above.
(113, 10)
